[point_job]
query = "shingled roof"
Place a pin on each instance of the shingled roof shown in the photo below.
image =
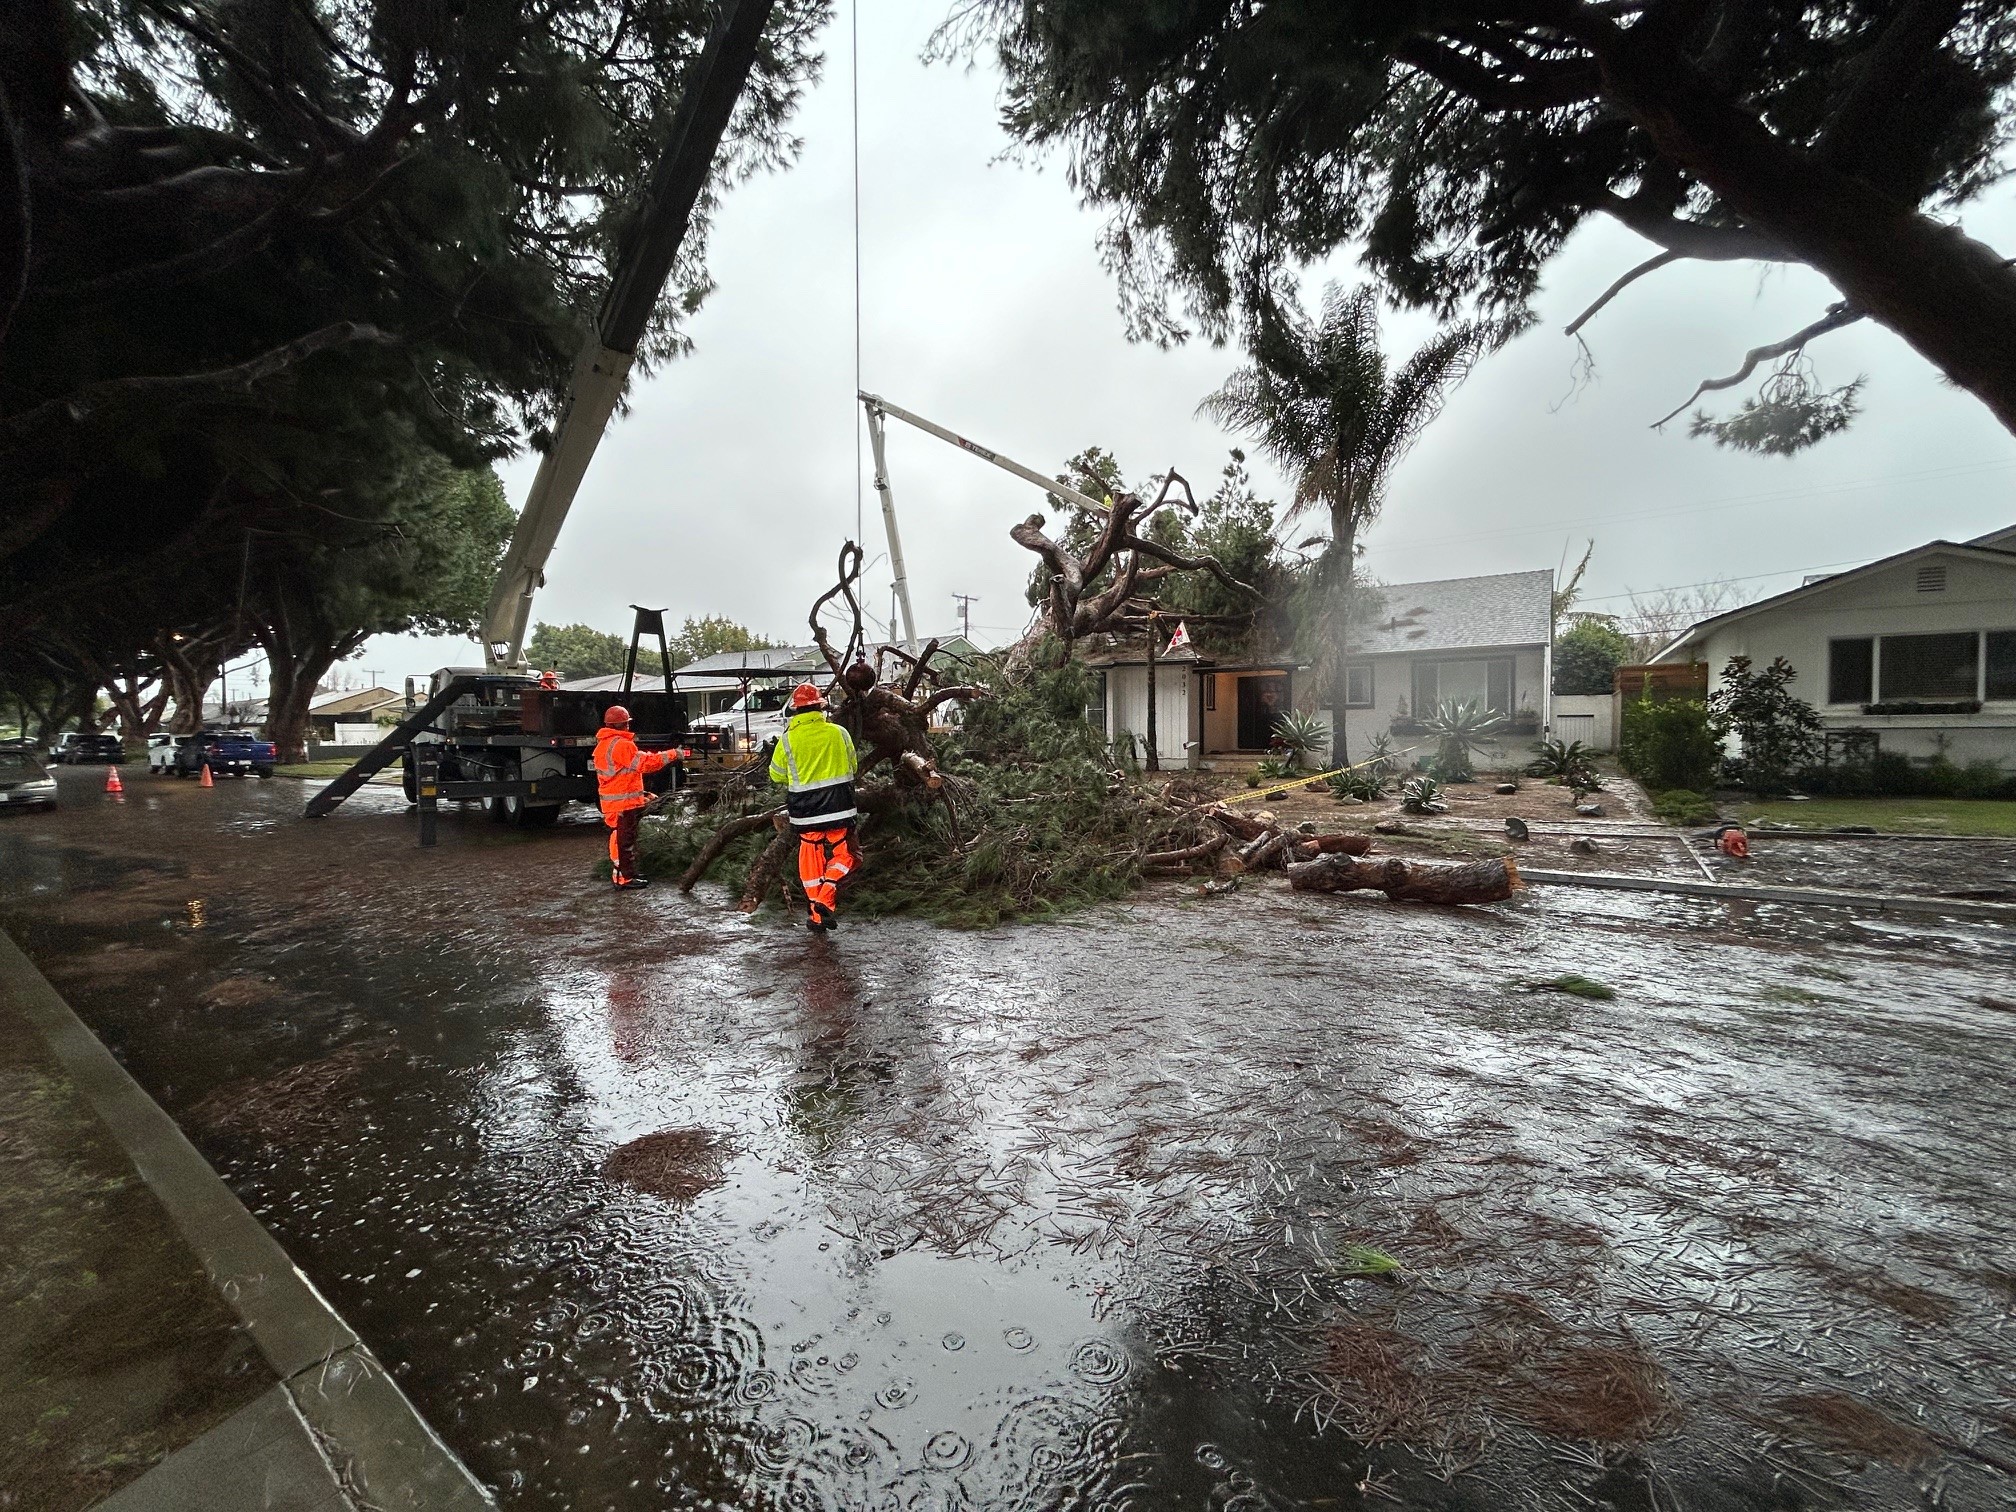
(1451, 614)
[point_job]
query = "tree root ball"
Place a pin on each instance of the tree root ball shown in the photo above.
(675, 1164)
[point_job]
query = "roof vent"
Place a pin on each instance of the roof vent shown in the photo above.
(1932, 579)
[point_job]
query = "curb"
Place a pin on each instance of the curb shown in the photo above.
(379, 1449)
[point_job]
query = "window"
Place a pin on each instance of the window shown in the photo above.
(1488, 684)
(1095, 711)
(1358, 686)
(1932, 579)
(1931, 666)
(1851, 669)
(2002, 664)
(1210, 681)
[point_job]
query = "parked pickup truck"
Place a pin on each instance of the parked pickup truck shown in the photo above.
(224, 751)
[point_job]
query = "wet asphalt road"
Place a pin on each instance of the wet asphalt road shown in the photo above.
(1075, 1216)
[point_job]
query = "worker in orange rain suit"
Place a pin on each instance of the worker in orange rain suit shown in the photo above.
(620, 769)
(814, 758)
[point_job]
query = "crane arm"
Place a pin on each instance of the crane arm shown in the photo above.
(644, 256)
(877, 406)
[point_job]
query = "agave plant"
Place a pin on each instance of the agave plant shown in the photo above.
(1422, 794)
(1300, 739)
(1564, 761)
(1379, 757)
(1366, 783)
(1460, 730)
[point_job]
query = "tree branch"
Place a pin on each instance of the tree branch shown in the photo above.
(1690, 238)
(1650, 265)
(75, 408)
(1888, 71)
(1837, 316)
(1569, 85)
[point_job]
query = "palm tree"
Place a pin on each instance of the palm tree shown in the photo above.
(1323, 405)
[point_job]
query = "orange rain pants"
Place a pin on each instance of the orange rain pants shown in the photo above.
(825, 857)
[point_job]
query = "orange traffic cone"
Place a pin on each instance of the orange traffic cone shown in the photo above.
(114, 786)
(208, 780)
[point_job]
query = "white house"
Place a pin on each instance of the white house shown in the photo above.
(1918, 649)
(1454, 640)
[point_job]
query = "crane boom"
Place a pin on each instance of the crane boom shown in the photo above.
(645, 253)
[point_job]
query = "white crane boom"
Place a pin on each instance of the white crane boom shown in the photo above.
(877, 407)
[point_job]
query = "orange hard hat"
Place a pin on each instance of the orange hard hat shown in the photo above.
(616, 714)
(805, 696)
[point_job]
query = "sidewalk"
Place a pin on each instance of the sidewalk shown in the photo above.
(158, 1350)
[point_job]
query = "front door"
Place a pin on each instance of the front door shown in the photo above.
(1261, 701)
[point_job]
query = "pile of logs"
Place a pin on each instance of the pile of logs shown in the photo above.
(1232, 843)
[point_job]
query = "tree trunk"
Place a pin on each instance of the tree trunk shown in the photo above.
(1343, 550)
(1409, 881)
(1951, 297)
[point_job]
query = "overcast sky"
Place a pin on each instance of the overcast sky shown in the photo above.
(732, 482)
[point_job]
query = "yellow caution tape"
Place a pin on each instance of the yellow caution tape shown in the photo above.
(1298, 781)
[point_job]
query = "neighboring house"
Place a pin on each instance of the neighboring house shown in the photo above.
(357, 706)
(1486, 640)
(1917, 650)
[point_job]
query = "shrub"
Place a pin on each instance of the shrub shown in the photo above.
(1891, 774)
(1587, 656)
(1671, 743)
(1679, 806)
(1779, 731)
(1564, 761)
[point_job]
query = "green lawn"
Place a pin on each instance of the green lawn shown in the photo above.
(1938, 816)
(312, 769)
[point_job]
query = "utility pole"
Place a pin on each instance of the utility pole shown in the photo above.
(966, 603)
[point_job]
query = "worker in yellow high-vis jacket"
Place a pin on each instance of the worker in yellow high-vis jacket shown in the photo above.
(815, 760)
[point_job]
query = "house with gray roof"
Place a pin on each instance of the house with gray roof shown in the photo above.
(1487, 640)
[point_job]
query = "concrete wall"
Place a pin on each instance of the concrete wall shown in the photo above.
(1588, 717)
(1978, 596)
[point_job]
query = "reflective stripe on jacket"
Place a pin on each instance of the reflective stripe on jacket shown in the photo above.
(814, 759)
(620, 768)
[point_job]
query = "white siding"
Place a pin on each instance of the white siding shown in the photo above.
(1587, 717)
(1127, 707)
(1978, 596)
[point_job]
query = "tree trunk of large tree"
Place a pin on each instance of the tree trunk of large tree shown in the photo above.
(1951, 297)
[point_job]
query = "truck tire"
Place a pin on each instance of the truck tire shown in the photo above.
(409, 778)
(262, 773)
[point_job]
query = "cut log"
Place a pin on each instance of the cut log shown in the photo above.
(1265, 852)
(769, 868)
(1341, 844)
(1184, 857)
(1410, 881)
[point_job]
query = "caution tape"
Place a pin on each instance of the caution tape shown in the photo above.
(1308, 777)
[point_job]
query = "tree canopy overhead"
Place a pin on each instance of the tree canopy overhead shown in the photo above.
(1460, 142)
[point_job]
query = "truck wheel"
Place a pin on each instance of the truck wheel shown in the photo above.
(409, 778)
(262, 773)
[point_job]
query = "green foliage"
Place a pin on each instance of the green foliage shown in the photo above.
(576, 651)
(1781, 422)
(1575, 986)
(1044, 832)
(1565, 762)
(1364, 783)
(1679, 806)
(1670, 743)
(1422, 794)
(1456, 149)
(1302, 739)
(1363, 1260)
(1460, 731)
(1779, 731)
(1891, 774)
(1587, 655)
(1379, 757)
(1273, 768)
(711, 635)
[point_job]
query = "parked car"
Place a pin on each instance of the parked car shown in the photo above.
(75, 748)
(226, 753)
(24, 781)
(161, 752)
(752, 722)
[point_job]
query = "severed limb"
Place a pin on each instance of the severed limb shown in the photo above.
(1410, 881)
(1838, 315)
(719, 841)
(1650, 265)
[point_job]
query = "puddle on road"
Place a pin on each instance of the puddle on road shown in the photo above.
(1076, 1216)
